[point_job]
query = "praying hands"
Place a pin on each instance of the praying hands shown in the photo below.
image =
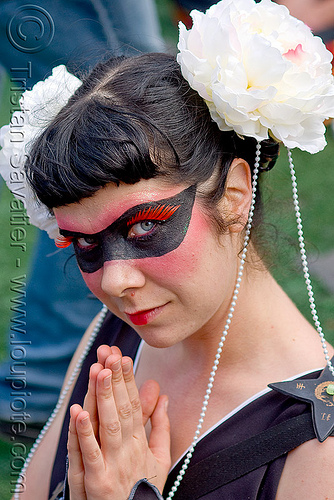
(107, 445)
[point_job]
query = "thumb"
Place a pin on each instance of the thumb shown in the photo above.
(159, 442)
(149, 395)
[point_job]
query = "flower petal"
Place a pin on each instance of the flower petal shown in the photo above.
(260, 71)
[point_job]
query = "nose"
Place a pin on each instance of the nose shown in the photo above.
(121, 277)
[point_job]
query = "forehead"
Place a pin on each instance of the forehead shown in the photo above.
(94, 214)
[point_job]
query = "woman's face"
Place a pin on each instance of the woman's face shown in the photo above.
(150, 254)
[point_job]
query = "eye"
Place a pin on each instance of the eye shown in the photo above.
(141, 229)
(86, 243)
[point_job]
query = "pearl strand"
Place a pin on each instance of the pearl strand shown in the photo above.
(61, 399)
(305, 263)
(224, 334)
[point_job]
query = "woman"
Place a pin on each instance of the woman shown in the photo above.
(156, 199)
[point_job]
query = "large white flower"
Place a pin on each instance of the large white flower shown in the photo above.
(259, 69)
(38, 108)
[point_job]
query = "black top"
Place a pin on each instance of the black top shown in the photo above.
(257, 416)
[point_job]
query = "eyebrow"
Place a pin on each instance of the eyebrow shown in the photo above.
(131, 214)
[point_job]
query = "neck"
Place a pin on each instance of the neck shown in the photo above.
(266, 331)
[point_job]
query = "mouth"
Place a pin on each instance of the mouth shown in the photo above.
(145, 317)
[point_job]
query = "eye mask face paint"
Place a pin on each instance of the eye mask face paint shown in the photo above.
(147, 230)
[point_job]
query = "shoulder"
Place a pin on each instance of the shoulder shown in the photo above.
(308, 472)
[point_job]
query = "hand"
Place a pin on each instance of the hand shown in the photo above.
(108, 448)
(148, 392)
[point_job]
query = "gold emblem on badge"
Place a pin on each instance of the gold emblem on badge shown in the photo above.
(325, 393)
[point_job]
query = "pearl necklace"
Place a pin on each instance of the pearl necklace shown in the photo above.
(305, 263)
(234, 299)
(225, 331)
(222, 339)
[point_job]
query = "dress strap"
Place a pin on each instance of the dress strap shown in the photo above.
(230, 464)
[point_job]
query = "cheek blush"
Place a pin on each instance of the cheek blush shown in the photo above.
(184, 260)
(169, 268)
(93, 281)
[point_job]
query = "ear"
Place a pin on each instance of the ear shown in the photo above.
(237, 198)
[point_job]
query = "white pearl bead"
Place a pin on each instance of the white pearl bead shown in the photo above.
(236, 292)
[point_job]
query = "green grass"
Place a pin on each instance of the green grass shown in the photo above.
(12, 456)
(9, 256)
(9, 270)
(315, 187)
(5, 463)
(166, 11)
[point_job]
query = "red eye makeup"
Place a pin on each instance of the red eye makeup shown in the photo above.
(167, 222)
(159, 213)
(63, 241)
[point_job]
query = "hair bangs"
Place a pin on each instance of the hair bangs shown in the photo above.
(91, 144)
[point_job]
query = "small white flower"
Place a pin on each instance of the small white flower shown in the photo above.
(38, 108)
(260, 70)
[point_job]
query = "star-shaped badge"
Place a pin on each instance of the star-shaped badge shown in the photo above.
(319, 393)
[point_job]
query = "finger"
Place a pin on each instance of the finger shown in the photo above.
(91, 453)
(104, 351)
(149, 395)
(122, 400)
(159, 441)
(90, 403)
(75, 463)
(133, 396)
(109, 423)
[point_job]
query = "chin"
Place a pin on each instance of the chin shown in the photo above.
(154, 338)
(159, 344)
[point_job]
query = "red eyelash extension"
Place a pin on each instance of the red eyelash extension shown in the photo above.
(63, 241)
(161, 212)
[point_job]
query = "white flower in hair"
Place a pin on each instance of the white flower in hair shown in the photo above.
(260, 70)
(38, 108)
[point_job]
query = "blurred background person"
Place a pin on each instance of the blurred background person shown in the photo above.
(317, 14)
(58, 304)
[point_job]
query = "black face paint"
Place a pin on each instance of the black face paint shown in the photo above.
(165, 223)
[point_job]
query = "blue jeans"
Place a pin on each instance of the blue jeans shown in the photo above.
(84, 33)
(58, 306)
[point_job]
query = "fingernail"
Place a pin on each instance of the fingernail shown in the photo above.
(166, 404)
(107, 382)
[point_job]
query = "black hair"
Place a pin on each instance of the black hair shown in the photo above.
(131, 119)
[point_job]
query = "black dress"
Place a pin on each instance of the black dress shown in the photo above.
(262, 412)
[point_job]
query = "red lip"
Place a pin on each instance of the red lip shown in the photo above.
(144, 317)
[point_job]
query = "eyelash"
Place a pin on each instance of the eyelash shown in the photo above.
(159, 213)
(153, 214)
(66, 241)
(63, 241)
